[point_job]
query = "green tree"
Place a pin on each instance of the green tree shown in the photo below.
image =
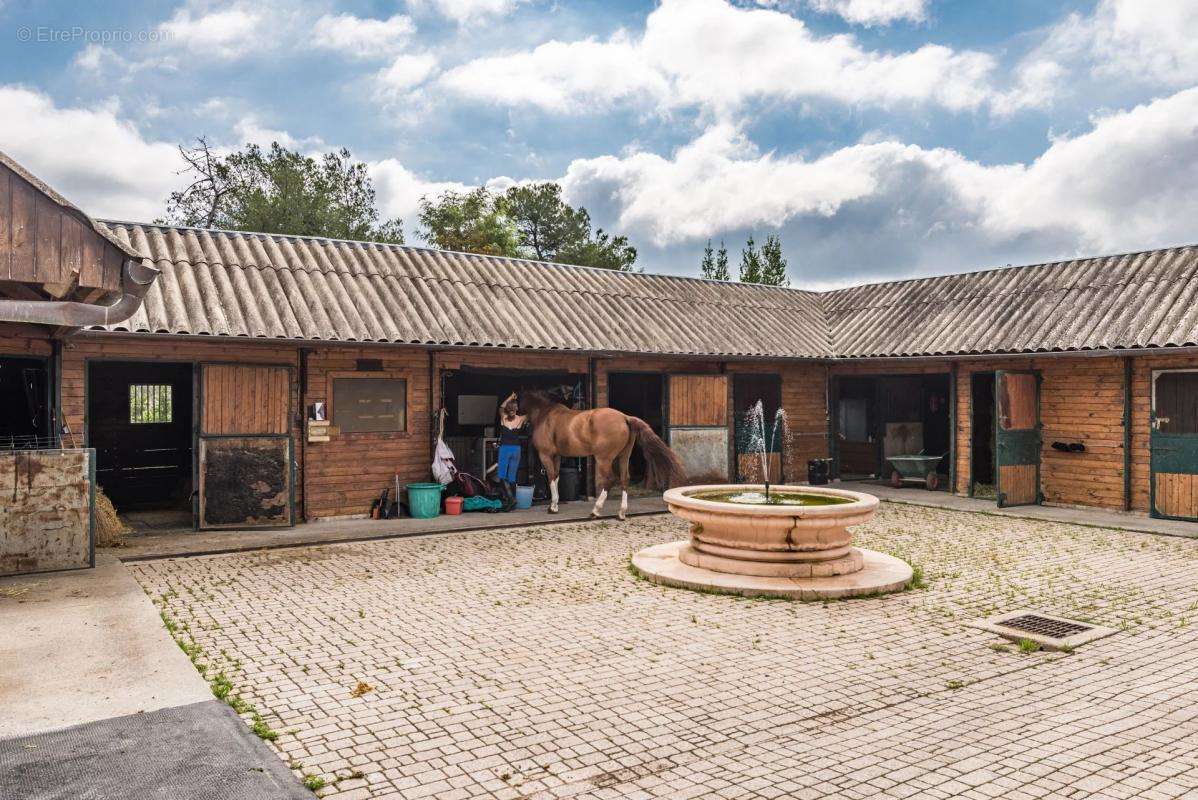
(773, 265)
(552, 230)
(470, 222)
(714, 266)
(750, 263)
(280, 191)
(721, 264)
(546, 224)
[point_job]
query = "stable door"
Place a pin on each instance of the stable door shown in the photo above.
(1017, 438)
(1174, 444)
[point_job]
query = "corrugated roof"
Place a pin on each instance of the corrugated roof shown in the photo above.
(1131, 301)
(225, 283)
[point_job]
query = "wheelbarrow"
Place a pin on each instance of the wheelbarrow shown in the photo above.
(915, 468)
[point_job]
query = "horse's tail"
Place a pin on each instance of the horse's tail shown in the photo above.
(663, 468)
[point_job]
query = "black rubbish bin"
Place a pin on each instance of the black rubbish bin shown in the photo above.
(817, 471)
(567, 484)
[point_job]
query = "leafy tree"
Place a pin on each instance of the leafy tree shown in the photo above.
(280, 191)
(773, 265)
(547, 225)
(473, 222)
(529, 221)
(750, 263)
(721, 264)
(714, 266)
(601, 250)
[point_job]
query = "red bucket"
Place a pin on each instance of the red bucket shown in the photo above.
(453, 505)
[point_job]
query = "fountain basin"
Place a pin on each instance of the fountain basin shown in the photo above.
(797, 545)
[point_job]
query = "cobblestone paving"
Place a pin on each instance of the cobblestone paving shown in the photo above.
(532, 663)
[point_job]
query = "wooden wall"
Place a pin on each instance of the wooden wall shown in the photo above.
(24, 340)
(43, 243)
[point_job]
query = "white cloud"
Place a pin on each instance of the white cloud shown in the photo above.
(465, 11)
(226, 33)
(874, 12)
(709, 54)
(892, 208)
(1123, 43)
(405, 73)
(399, 190)
(96, 159)
(361, 38)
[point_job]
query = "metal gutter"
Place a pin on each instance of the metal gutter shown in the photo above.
(136, 279)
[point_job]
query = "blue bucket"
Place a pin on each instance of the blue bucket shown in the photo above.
(523, 497)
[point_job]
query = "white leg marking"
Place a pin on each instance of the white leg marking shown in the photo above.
(623, 504)
(553, 496)
(599, 501)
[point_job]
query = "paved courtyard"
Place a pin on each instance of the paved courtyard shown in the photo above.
(532, 663)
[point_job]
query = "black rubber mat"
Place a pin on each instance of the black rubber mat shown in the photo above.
(201, 751)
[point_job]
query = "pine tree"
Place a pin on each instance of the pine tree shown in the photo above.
(750, 263)
(773, 270)
(721, 264)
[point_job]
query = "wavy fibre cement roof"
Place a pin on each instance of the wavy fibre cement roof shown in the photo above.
(228, 283)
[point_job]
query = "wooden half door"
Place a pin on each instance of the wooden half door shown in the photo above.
(245, 450)
(1017, 438)
(698, 425)
(1174, 444)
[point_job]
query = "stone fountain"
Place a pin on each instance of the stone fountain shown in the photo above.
(772, 541)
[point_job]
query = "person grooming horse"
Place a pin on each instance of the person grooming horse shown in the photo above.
(605, 433)
(510, 450)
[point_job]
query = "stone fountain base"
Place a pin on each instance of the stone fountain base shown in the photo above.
(801, 549)
(680, 565)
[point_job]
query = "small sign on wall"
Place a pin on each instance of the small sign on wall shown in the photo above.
(374, 404)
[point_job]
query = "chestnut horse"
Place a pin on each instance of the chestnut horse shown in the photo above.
(605, 433)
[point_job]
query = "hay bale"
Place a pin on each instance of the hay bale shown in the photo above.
(110, 529)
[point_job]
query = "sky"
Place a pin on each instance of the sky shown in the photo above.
(878, 139)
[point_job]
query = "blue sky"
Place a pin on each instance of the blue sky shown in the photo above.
(878, 138)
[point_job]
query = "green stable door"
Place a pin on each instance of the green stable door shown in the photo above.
(1017, 438)
(1174, 444)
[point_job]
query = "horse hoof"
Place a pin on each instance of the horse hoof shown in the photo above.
(553, 511)
(622, 518)
(594, 515)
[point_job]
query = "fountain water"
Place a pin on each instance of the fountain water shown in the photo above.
(759, 443)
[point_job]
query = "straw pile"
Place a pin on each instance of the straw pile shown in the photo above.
(110, 530)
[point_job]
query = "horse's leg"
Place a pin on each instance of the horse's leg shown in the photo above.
(622, 471)
(552, 463)
(603, 478)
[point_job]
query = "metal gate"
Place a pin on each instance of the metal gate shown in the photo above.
(698, 424)
(1174, 444)
(245, 455)
(1017, 438)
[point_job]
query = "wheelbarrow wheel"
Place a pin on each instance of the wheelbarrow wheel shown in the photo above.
(896, 480)
(933, 481)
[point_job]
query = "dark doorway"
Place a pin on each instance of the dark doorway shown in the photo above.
(641, 394)
(893, 415)
(981, 435)
(747, 390)
(139, 420)
(471, 399)
(24, 404)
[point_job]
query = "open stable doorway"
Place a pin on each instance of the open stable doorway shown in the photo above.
(24, 403)
(140, 421)
(471, 398)
(641, 394)
(981, 436)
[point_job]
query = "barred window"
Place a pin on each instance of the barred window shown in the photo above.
(150, 403)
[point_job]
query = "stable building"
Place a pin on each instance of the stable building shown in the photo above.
(1071, 383)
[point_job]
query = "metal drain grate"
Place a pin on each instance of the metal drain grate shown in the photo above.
(1052, 632)
(1046, 626)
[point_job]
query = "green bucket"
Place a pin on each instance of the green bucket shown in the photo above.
(424, 500)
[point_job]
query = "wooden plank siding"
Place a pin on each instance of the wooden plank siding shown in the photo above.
(44, 244)
(241, 399)
(698, 400)
(24, 340)
(1177, 494)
